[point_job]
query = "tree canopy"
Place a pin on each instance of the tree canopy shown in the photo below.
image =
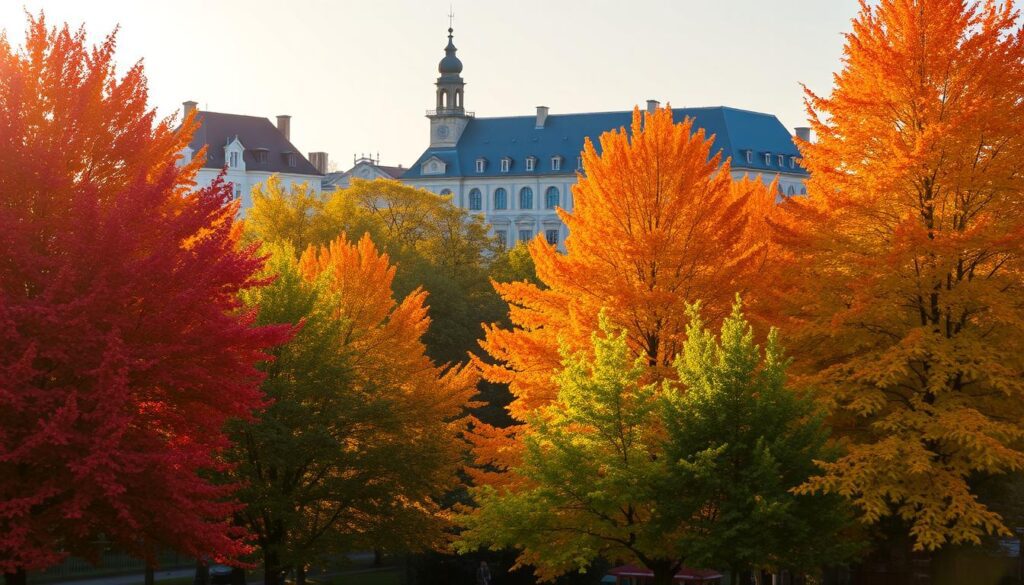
(657, 222)
(902, 290)
(437, 246)
(123, 345)
(698, 471)
(360, 441)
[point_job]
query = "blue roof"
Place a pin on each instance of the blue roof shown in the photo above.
(735, 131)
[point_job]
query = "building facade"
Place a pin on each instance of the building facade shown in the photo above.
(249, 149)
(516, 170)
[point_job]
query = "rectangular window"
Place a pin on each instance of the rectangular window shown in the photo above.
(237, 190)
(525, 235)
(479, 165)
(552, 237)
(556, 163)
(504, 165)
(233, 160)
(502, 236)
(750, 157)
(530, 163)
(767, 159)
(792, 162)
(292, 160)
(782, 160)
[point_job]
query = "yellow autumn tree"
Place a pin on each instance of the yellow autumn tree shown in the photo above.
(383, 337)
(904, 295)
(381, 341)
(658, 222)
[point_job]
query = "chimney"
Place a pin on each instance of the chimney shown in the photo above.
(803, 133)
(542, 115)
(189, 107)
(319, 160)
(652, 105)
(284, 126)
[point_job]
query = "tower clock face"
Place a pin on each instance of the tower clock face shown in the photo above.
(442, 131)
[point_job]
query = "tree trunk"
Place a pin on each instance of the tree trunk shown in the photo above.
(150, 575)
(202, 574)
(272, 568)
(237, 576)
(300, 575)
(17, 578)
(664, 571)
(378, 557)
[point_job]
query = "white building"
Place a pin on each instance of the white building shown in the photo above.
(516, 170)
(250, 149)
(364, 167)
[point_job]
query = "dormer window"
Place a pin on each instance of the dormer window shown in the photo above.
(531, 163)
(750, 156)
(782, 160)
(433, 166)
(556, 163)
(481, 164)
(767, 159)
(233, 159)
(792, 162)
(506, 164)
(293, 160)
(579, 163)
(260, 155)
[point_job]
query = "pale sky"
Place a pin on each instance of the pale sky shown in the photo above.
(358, 76)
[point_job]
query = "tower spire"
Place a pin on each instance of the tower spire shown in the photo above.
(450, 117)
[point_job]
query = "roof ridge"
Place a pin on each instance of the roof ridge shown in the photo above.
(234, 115)
(746, 111)
(630, 111)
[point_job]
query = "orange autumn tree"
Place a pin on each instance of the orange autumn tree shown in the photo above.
(657, 222)
(905, 292)
(382, 339)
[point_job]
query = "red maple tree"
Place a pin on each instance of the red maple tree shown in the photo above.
(123, 348)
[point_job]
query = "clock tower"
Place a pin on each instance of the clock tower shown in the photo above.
(450, 118)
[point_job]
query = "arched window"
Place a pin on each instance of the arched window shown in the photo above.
(803, 190)
(476, 201)
(500, 198)
(551, 198)
(526, 198)
(446, 191)
(791, 191)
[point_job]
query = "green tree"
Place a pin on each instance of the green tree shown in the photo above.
(295, 462)
(586, 486)
(515, 265)
(698, 471)
(742, 442)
